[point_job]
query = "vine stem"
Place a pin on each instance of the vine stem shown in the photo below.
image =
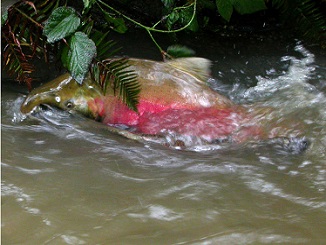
(153, 39)
(149, 29)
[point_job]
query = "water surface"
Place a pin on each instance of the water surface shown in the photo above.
(67, 180)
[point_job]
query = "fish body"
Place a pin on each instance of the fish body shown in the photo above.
(174, 97)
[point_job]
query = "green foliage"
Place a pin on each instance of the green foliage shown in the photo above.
(88, 4)
(81, 50)
(168, 3)
(66, 33)
(62, 22)
(183, 15)
(248, 7)
(115, 74)
(177, 51)
(81, 53)
(4, 17)
(118, 24)
(305, 16)
(105, 47)
(22, 39)
(172, 18)
(36, 28)
(225, 7)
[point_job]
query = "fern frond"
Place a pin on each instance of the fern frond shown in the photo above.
(16, 63)
(22, 37)
(115, 76)
(305, 15)
(105, 48)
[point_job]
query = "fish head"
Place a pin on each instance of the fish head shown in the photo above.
(65, 93)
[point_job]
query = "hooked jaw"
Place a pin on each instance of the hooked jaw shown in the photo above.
(64, 93)
(44, 94)
(33, 101)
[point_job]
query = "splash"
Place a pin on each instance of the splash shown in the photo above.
(290, 98)
(285, 106)
(14, 108)
(293, 84)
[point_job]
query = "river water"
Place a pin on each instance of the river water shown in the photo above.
(67, 180)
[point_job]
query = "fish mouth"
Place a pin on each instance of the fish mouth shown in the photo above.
(34, 101)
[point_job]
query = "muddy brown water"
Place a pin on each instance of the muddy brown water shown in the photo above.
(67, 180)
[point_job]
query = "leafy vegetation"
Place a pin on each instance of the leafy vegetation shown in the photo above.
(22, 38)
(307, 15)
(70, 30)
(226, 7)
(34, 29)
(125, 83)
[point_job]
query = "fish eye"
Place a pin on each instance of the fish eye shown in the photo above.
(69, 104)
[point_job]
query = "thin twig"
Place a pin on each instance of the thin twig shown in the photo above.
(148, 28)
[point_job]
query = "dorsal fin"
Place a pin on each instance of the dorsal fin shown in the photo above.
(195, 66)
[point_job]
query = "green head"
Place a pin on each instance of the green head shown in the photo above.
(65, 93)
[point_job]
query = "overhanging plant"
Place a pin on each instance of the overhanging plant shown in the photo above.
(36, 29)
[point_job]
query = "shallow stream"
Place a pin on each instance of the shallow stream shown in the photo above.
(67, 180)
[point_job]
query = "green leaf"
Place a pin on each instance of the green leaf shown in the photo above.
(4, 17)
(173, 17)
(88, 3)
(225, 8)
(118, 23)
(168, 3)
(180, 51)
(62, 22)
(248, 6)
(82, 51)
(185, 17)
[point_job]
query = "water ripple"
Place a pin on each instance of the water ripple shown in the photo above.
(263, 186)
(156, 212)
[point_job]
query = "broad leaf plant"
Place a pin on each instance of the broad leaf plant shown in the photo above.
(44, 28)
